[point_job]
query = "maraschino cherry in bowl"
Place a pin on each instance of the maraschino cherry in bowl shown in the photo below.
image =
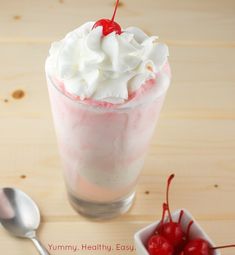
(177, 233)
(142, 236)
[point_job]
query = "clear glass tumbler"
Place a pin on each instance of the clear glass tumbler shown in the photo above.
(103, 148)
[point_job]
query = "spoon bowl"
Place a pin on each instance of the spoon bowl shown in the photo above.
(20, 215)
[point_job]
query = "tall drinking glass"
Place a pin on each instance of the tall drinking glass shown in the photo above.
(103, 148)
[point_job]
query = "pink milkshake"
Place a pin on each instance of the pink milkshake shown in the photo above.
(106, 94)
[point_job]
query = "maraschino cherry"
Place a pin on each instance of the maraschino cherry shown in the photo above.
(200, 246)
(169, 238)
(158, 244)
(171, 230)
(108, 25)
(180, 248)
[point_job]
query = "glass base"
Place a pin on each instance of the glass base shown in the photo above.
(101, 211)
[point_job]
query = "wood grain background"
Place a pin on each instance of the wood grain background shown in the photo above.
(195, 137)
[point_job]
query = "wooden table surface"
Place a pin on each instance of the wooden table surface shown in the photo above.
(195, 137)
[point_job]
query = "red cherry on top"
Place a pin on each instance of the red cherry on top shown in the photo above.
(158, 245)
(109, 26)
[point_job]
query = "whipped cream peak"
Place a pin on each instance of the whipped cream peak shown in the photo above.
(105, 68)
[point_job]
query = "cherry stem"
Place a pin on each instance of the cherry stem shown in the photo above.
(115, 10)
(167, 194)
(165, 208)
(188, 229)
(181, 215)
(221, 247)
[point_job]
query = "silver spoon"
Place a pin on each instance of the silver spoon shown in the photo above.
(20, 216)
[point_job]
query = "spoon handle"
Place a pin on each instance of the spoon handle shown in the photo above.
(41, 249)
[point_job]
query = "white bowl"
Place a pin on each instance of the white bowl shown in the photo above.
(196, 231)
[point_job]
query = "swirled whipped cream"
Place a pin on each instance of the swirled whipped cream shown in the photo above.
(105, 68)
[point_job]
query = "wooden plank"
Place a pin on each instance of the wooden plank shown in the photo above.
(208, 22)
